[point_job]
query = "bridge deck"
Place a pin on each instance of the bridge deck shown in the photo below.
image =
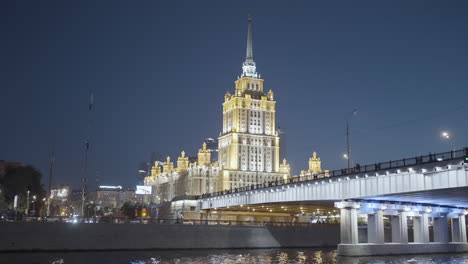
(426, 179)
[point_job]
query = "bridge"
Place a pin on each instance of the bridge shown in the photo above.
(432, 187)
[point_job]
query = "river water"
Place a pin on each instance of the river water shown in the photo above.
(261, 256)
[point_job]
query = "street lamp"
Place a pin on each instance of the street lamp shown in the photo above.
(445, 135)
(346, 157)
(34, 205)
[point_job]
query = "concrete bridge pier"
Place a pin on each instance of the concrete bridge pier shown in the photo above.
(399, 214)
(459, 228)
(375, 227)
(348, 223)
(441, 228)
(421, 228)
(400, 227)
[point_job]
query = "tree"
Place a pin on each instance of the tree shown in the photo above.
(3, 204)
(20, 180)
(128, 209)
(89, 210)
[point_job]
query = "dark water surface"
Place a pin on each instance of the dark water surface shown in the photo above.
(262, 256)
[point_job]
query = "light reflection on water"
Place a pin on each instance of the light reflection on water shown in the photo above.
(257, 256)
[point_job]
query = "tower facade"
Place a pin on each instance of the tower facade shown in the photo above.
(249, 143)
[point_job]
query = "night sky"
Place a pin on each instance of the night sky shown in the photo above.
(160, 69)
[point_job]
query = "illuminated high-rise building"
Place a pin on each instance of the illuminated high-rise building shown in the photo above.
(248, 146)
(249, 149)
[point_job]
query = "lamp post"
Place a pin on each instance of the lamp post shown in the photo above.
(49, 194)
(345, 156)
(27, 203)
(347, 142)
(348, 150)
(34, 205)
(84, 176)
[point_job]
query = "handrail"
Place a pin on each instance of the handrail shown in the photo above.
(232, 222)
(393, 164)
(122, 220)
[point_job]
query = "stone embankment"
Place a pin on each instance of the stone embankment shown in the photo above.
(21, 236)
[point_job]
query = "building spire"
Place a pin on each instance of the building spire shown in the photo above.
(249, 53)
(248, 67)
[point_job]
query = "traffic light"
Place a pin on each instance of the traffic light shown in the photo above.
(143, 212)
(466, 154)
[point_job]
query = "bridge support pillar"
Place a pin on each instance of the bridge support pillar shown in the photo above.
(348, 222)
(375, 227)
(459, 229)
(400, 227)
(441, 229)
(421, 228)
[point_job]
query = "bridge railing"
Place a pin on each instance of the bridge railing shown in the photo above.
(180, 221)
(376, 167)
(230, 223)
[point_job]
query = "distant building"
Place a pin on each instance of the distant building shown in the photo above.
(315, 167)
(76, 195)
(249, 143)
(74, 201)
(116, 196)
(60, 203)
(130, 196)
(144, 168)
(61, 193)
(108, 196)
(188, 178)
(247, 151)
(6, 165)
(212, 146)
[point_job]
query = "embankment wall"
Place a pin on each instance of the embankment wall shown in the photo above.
(20, 236)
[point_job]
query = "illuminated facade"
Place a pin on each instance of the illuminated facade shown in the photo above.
(249, 143)
(315, 167)
(187, 178)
